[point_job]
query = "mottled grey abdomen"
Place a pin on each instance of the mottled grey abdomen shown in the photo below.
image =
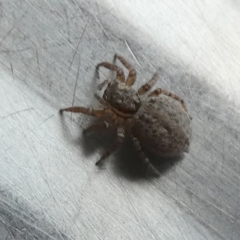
(163, 126)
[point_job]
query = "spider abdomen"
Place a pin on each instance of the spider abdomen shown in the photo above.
(163, 126)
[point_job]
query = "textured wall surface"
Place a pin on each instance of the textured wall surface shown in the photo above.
(50, 187)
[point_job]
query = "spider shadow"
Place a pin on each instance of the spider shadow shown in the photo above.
(73, 134)
(129, 165)
(125, 161)
(97, 141)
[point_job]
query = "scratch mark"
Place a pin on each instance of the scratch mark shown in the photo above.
(45, 120)
(26, 222)
(157, 69)
(136, 217)
(79, 8)
(12, 70)
(111, 214)
(15, 51)
(37, 56)
(76, 204)
(75, 87)
(68, 29)
(70, 66)
(11, 114)
(13, 27)
(50, 188)
(116, 9)
(97, 7)
(130, 50)
(193, 212)
(104, 30)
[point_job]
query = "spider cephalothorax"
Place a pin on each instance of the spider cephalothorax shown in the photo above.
(160, 122)
(122, 97)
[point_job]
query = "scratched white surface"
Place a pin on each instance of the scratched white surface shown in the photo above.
(50, 186)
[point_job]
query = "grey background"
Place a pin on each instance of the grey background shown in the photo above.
(50, 186)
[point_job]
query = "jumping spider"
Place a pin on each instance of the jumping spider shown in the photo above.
(160, 122)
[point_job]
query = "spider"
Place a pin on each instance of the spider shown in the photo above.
(159, 122)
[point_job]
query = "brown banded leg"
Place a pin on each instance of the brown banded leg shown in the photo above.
(150, 168)
(118, 70)
(99, 88)
(96, 127)
(147, 86)
(100, 99)
(159, 91)
(102, 84)
(116, 144)
(132, 73)
(87, 111)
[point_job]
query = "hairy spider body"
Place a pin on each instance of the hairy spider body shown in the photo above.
(160, 122)
(163, 126)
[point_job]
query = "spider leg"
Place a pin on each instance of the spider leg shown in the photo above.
(159, 91)
(87, 111)
(116, 144)
(150, 168)
(100, 99)
(118, 70)
(96, 127)
(147, 86)
(102, 84)
(132, 73)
